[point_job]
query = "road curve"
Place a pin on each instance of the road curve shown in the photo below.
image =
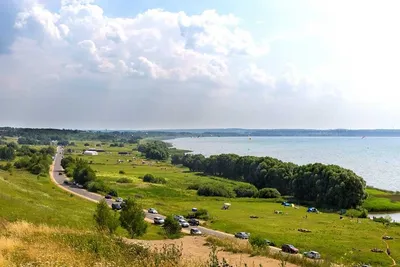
(58, 177)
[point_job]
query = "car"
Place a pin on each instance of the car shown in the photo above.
(79, 185)
(116, 206)
(158, 220)
(108, 197)
(242, 235)
(152, 210)
(179, 217)
(193, 222)
(312, 254)
(183, 223)
(387, 237)
(269, 243)
(60, 173)
(119, 199)
(195, 231)
(289, 249)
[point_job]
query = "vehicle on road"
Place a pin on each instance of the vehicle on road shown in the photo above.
(242, 235)
(387, 237)
(66, 182)
(193, 222)
(116, 206)
(119, 199)
(179, 217)
(60, 173)
(289, 249)
(152, 210)
(183, 223)
(195, 231)
(158, 220)
(312, 254)
(108, 197)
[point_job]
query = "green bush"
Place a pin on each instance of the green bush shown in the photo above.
(257, 242)
(201, 214)
(357, 213)
(149, 178)
(124, 180)
(113, 192)
(172, 227)
(193, 187)
(268, 193)
(97, 186)
(215, 190)
(121, 172)
(246, 190)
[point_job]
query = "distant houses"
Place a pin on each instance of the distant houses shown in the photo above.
(90, 153)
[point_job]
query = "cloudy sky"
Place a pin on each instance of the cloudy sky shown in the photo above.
(148, 64)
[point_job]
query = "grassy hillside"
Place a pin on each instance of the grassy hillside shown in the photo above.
(346, 240)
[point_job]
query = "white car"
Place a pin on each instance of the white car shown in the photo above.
(151, 210)
(183, 223)
(312, 255)
(158, 220)
(195, 231)
(119, 199)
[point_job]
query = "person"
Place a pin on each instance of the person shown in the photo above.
(388, 251)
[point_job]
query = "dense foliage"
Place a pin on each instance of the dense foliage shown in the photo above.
(149, 178)
(244, 190)
(327, 185)
(157, 150)
(171, 227)
(7, 153)
(35, 161)
(215, 190)
(105, 218)
(132, 218)
(268, 193)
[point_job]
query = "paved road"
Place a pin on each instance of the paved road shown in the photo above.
(59, 178)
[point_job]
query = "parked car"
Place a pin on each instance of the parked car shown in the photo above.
(183, 223)
(79, 186)
(158, 220)
(242, 235)
(269, 243)
(116, 206)
(289, 249)
(66, 182)
(312, 254)
(119, 199)
(195, 231)
(194, 222)
(108, 196)
(151, 210)
(387, 237)
(60, 173)
(179, 217)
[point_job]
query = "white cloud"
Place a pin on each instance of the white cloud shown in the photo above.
(157, 69)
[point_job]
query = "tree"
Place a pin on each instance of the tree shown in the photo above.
(248, 190)
(132, 218)
(7, 153)
(157, 150)
(268, 193)
(106, 219)
(171, 226)
(83, 173)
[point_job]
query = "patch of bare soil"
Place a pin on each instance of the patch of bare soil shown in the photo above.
(194, 249)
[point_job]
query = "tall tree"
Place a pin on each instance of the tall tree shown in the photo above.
(132, 218)
(106, 219)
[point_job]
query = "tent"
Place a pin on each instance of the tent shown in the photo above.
(312, 209)
(286, 204)
(226, 206)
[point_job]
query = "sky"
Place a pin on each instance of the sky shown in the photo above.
(152, 64)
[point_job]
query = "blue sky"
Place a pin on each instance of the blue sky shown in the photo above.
(192, 64)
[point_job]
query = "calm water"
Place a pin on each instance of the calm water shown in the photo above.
(376, 159)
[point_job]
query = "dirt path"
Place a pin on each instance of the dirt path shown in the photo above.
(388, 248)
(195, 250)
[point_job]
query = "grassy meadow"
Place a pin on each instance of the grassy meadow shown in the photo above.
(347, 240)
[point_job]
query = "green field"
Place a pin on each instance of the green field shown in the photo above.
(24, 196)
(382, 201)
(346, 240)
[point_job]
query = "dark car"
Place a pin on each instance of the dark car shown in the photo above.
(66, 182)
(108, 196)
(289, 249)
(60, 173)
(116, 206)
(193, 222)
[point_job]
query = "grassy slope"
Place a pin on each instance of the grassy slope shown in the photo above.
(381, 201)
(333, 237)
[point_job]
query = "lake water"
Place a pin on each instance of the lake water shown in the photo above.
(376, 159)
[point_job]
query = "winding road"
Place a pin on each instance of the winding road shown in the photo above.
(58, 177)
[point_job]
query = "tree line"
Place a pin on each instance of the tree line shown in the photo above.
(325, 185)
(154, 149)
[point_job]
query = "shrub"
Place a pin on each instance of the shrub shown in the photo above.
(215, 190)
(149, 178)
(132, 218)
(124, 180)
(268, 193)
(357, 213)
(201, 214)
(121, 172)
(172, 227)
(257, 242)
(193, 187)
(106, 219)
(246, 190)
(113, 192)
(97, 186)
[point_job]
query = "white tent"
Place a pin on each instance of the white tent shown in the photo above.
(90, 153)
